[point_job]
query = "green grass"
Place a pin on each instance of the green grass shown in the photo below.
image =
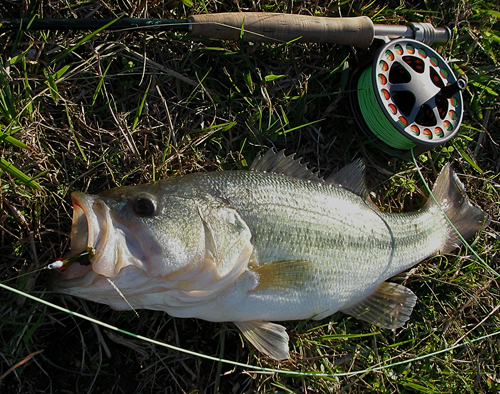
(90, 112)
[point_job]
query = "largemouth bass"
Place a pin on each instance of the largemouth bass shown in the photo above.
(271, 244)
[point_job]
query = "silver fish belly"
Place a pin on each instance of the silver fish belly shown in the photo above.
(274, 243)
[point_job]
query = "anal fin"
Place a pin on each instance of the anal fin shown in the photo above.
(389, 307)
(268, 338)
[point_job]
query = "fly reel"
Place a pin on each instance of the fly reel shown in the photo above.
(408, 97)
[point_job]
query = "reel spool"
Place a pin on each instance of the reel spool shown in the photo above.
(408, 97)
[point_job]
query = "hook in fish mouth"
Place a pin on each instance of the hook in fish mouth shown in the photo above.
(82, 259)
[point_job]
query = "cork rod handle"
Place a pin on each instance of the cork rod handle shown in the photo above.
(274, 27)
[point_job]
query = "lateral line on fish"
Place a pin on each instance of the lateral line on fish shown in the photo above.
(255, 368)
(467, 245)
(122, 296)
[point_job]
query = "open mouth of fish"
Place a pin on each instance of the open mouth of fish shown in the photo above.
(93, 229)
(89, 235)
(102, 244)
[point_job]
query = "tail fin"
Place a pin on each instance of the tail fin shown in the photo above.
(467, 218)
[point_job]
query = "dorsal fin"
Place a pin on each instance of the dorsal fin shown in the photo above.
(351, 177)
(278, 163)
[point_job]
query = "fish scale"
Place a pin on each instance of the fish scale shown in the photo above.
(335, 233)
(271, 244)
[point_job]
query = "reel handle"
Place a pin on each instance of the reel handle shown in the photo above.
(275, 27)
(458, 86)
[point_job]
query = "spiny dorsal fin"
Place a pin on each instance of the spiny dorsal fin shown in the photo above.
(269, 338)
(351, 177)
(278, 163)
(284, 274)
(389, 307)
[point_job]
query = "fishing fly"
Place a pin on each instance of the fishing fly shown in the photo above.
(82, 258)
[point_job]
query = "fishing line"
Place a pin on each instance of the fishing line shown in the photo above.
(235, 363)
(375, 118)
(122, 296)
(35, 271)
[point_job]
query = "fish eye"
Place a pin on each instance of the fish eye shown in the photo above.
(144, 206)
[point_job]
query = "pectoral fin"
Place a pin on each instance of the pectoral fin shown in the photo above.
(268, 338)
(389, 307)
(284, 275)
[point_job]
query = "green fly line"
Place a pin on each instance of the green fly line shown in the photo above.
(375, 118)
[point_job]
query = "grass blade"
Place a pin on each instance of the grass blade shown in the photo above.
(18, 174)
(6, 137)
(140, 107)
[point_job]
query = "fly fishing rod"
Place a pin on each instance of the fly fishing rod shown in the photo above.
(255, 26)
(407, 96)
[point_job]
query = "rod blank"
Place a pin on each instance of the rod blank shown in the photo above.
(94, 24)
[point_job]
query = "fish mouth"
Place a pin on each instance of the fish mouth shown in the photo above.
(92, 229)
(114, 243)
(89, 223)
